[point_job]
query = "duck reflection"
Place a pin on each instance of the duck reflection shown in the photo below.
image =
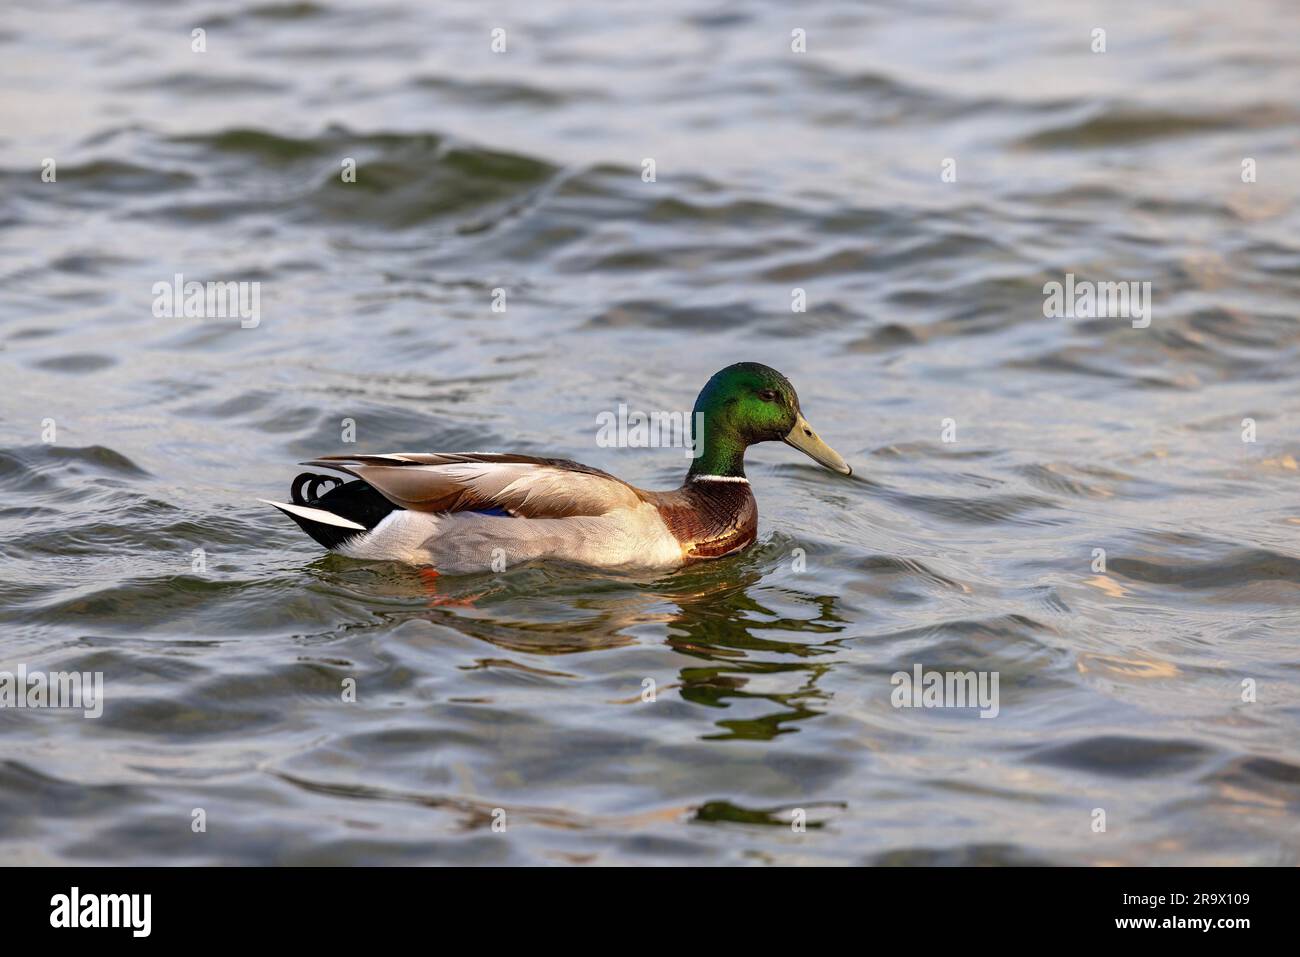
(748, 651)
(721, 615)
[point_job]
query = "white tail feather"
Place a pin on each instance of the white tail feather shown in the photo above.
(318, 515)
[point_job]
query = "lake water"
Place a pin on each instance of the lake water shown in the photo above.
(1156, 681)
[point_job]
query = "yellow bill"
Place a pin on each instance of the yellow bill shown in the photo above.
(803, 438)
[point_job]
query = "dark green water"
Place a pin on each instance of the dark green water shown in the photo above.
(1120, 690)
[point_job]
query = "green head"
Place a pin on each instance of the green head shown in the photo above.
(747, 403)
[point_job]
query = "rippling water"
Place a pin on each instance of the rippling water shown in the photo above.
(1121, 689)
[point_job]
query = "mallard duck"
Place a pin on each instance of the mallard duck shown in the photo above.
(480, 511)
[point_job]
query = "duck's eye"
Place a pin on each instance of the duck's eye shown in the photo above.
(768, 395)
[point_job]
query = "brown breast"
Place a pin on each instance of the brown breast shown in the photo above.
(710, 519)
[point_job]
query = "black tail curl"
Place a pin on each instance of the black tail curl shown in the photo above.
(313, 482)
(356, 501)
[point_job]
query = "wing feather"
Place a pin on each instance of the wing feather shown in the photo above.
(522, 485)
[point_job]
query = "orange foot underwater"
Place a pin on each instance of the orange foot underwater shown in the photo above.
(430, 577)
